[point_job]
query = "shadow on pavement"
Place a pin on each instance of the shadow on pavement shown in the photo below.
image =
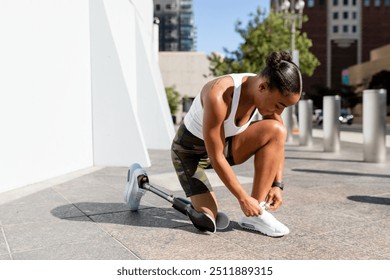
(115, 213)
(370, 199)
(321, 159)
(343, 173)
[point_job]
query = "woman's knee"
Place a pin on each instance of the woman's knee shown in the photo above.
(274, 130)
(259, 135)
(280, 130)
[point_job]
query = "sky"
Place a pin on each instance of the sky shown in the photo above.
(215, 22)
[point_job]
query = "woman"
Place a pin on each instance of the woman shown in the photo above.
(219, 131)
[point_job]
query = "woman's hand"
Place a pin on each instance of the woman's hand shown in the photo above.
(274, 199)
(250, 206)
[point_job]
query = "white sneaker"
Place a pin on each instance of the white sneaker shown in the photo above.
(133, 193)
(265, 223)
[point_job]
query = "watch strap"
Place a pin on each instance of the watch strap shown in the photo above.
(278, 184)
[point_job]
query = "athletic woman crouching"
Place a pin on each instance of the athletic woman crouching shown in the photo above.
(220, 131)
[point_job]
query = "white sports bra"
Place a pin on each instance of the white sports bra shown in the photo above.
(194, 118)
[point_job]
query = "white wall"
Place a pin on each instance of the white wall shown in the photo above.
(70, 90)
(117, 137)
(45, 104)
(144, 83)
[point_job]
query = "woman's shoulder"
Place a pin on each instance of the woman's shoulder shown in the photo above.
(232, 75)
(221, 82)
(224, 85)
(218, 89)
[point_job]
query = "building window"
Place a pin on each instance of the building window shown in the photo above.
(345, 28)
(335, 15)
(335, 2)
(345, 2)
(186, 7)
(345, 15)
(354, 15)
(387, 3)
(377, 3)
(158, 7)
(353, 2)
(367, 3)
(335, 29)
(322, 2)
(354, 29)
(310, 3)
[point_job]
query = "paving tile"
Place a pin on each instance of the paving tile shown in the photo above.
(386, 256)
(321, 219)
(5, 257)
(91, 208)
(107, 198)
(253, 240)
(3, 243)
(178, 243)
(160, 162)
(24, 213)
(315, 248)
(90, 186)
(297, 245)
(98, 249)
(372, 237)
(36, 207)
(37, 235)
(370, 212)
(46, 196)
(294, 195)
(120, 172)
(167, 233)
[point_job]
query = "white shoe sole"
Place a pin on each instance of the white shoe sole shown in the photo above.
(263, 228)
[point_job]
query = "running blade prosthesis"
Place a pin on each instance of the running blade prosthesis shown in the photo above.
(138, 184)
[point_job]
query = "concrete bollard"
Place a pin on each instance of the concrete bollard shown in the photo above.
(374, 125)
(287, 117)
(305, 122)
(331, 123)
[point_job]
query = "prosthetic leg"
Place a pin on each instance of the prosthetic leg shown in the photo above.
(138, 184)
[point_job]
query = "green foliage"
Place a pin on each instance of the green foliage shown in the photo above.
(174, 99)
(261, 37)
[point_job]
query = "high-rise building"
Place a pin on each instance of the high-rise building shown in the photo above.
(176, 25)
(343, 33)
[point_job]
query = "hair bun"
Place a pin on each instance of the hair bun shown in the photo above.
(282, 73)
(275, 58)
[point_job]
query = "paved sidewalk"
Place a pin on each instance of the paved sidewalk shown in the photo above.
(336, 206)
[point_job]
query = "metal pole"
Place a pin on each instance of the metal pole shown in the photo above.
(158, 192)
(287, 117)
(293, 18)
(305, 109)
(331, 123)
(374, 125)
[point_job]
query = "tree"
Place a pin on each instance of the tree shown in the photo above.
(174, 99)
(261, 37)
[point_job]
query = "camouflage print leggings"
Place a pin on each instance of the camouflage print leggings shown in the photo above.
(189, 157)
